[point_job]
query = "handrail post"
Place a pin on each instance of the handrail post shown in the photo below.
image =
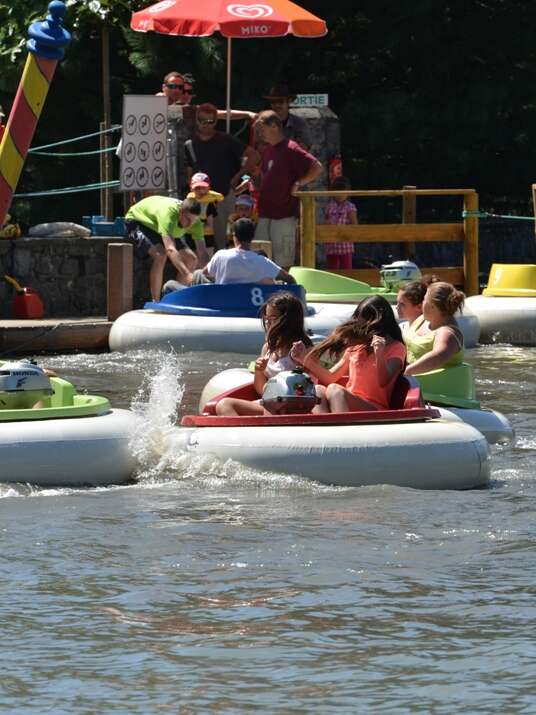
(470, 245)
(409, 215)
(119, 279)
(307, 230)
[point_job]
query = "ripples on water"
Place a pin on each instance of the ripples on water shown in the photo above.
(208, 588)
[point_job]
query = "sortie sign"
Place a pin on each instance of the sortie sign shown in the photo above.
(310, 100)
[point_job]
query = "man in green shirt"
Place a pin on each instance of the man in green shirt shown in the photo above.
(156, 225)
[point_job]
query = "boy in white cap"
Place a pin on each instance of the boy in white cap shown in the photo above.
(244, 208)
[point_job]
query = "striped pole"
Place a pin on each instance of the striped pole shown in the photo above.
(45, 47)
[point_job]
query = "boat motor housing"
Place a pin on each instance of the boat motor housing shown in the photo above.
(396, 274)
(22, 384)
(290, 392)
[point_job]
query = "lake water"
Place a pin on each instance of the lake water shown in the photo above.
(210, 589)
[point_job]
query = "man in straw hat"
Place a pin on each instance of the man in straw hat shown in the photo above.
(294, 127)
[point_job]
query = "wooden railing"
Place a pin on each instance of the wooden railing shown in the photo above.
(408, 232)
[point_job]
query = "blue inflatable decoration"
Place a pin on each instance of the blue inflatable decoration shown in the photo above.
(237, 300)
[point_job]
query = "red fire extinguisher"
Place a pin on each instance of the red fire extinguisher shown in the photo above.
(335, 168)
(27, 303)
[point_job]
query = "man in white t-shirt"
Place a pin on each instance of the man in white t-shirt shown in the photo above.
(242, 265)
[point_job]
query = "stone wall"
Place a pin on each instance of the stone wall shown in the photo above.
(68, 273)
(326, 137)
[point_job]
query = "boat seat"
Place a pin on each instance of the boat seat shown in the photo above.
(244, 392)
(316, 281)
(511, 281)
(453, 386)
(240, 300)
(326, 287)
(406, 394)
(64, 393)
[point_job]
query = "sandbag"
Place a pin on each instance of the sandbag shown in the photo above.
(59, 228)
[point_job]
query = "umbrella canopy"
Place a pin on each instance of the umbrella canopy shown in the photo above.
(196, 18)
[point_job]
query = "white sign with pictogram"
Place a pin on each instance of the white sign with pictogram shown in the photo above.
(143, 143)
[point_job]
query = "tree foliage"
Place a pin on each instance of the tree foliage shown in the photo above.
(436, 94)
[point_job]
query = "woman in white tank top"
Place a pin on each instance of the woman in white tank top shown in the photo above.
(277, 364)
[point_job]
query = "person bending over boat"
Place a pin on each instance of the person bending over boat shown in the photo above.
(283, 322)
(369, 350)
(241, 264)
(156, 225)
(434, 340)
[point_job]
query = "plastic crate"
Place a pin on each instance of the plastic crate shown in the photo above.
(100, 227)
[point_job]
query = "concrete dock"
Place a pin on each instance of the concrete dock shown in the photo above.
(54, 335)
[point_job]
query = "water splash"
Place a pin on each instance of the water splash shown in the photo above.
(156, 404)
(163, 451)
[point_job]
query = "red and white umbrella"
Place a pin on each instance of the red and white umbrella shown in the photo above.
(248, 19)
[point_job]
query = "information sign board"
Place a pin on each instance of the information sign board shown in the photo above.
(143, 143)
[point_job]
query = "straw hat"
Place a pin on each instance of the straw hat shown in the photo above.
(280, 90)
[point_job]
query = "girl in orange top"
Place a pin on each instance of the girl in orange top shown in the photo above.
(369, 349)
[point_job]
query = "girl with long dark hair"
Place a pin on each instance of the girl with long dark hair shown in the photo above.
(282, 317)
(369, 350)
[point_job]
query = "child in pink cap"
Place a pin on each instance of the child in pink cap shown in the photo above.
(201, 191)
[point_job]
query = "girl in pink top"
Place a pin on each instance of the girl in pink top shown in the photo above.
(370, 351)
(340, 211)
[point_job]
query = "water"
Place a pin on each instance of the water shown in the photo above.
(210, 589)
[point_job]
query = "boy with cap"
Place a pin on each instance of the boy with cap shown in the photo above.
(244, 208)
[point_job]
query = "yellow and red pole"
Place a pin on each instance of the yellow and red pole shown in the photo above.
(45, 47)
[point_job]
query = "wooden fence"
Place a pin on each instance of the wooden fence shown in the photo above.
(408, 232)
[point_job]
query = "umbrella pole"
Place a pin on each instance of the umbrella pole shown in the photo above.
(228, 99)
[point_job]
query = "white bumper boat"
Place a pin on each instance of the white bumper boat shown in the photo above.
(407, 445)
(506, 310)
(224, 318)
(68, 440)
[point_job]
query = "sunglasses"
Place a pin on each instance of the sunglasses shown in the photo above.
(206, 121)
(171, 85)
